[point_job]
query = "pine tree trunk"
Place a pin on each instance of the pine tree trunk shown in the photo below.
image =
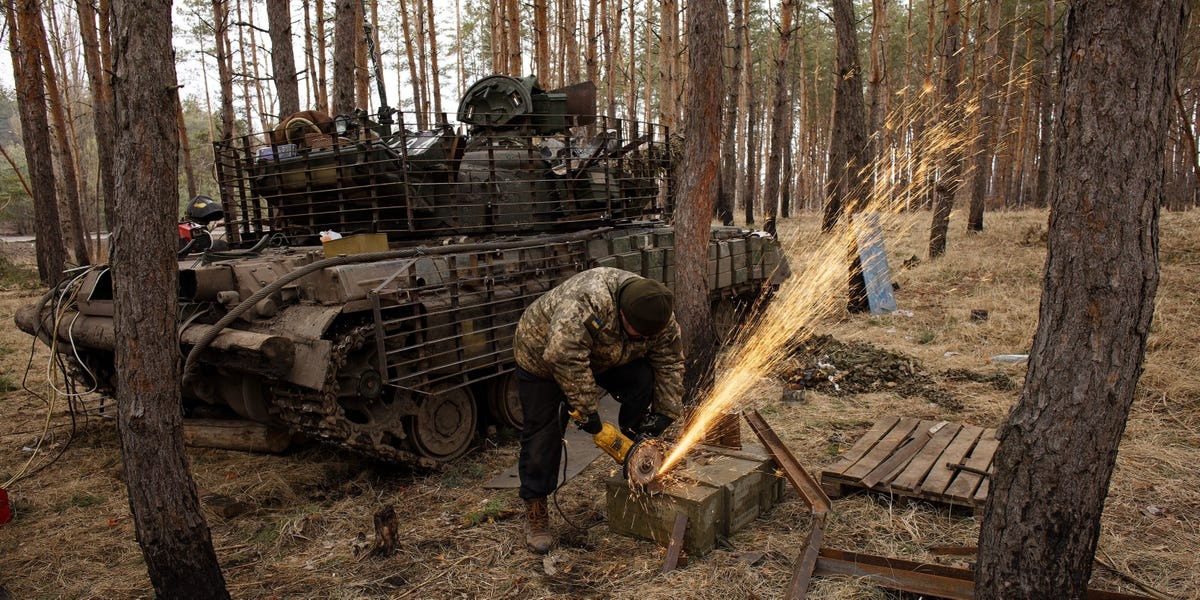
(591, 59)
(247, 99)
(610, 60)
(745, 109)
(283, 61)
(750, 173)
(571, 39)
(950, 167)
(435, 87)
(846, 186)
(35, 137)
(647, 65)
(60, 144)
(460, 64)
(729, 145)
(71, 80)
(322, 78)
(263, 115)
(788, 177)
(669, 60)
(414, 76)
(699, 180)
(1042, 520)
(927, 160)
(541, 41)
(987, 115)
(781, 108)
(345, 34)
(615, 50)
(631, 86)
(1047, 107)
(512, 26)
(880, 141)
(185, 150)
(101, 104)
(362, 73)
(310, 65)
(422, 73)
(224, 67)
(174, 538)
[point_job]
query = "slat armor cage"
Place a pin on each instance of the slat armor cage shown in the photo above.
(443, 181)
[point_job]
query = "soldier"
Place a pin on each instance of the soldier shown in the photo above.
(602, 330)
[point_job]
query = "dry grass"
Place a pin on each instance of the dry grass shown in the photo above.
(72, 536)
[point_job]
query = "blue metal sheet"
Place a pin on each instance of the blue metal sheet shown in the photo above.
(873, 258)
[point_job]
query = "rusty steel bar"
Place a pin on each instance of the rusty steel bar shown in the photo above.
(897, 574)
(806, 561)
(676, 546)
(801, 480)
(919, 578)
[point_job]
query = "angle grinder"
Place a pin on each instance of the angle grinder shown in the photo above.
(640, 459)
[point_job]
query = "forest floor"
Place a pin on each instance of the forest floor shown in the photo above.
(309, 509)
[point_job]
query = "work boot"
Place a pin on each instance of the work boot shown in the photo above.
(537, 526)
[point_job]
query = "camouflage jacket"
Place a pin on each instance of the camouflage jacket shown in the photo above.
(574, 331)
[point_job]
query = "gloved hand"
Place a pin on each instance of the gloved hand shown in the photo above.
(591, 423)
(654, 424)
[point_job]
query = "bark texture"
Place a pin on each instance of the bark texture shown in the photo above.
(101, 103)
(283, 59)
(224, 67)
(950, 168)
(848, 145)
(1046, 97)
(987, 116)
(696, 194)
(67, 166)
(175, 540)
(781, 112)
(729, 145)
(1059, 446)
(345, 32)
(35, 136)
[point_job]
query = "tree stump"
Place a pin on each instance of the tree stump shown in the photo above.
(387, 527)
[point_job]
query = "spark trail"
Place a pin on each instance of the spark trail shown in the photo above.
(820, 273)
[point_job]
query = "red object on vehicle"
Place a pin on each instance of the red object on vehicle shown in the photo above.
(5, 513)
(185, 232)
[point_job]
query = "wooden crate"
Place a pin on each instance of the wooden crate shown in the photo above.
(936, 461)
(721, 491)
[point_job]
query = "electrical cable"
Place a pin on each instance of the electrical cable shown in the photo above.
(565, 460)
(58, 309)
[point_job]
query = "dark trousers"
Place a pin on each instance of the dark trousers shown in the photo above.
(545, 411)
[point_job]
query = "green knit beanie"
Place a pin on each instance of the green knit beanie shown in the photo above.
(646, 304)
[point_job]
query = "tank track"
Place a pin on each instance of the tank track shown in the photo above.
(318, 413)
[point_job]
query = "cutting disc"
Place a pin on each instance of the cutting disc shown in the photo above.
(642, 465)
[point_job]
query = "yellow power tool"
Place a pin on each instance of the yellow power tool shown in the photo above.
(640, 460)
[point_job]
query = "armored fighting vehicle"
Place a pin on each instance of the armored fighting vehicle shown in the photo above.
(395, 339)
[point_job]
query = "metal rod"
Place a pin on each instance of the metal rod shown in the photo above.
(795, 472)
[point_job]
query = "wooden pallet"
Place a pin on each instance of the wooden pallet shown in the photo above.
(931, 460)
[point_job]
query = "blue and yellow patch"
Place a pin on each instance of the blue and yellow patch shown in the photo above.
(594, 325)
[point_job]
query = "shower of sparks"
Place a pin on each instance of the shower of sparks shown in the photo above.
(820, 276)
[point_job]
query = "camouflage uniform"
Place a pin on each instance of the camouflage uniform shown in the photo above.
(571, 348)
(574, 331)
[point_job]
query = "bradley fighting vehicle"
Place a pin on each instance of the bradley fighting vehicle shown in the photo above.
(395, 340)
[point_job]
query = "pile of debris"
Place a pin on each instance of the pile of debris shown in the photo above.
(837, 368)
